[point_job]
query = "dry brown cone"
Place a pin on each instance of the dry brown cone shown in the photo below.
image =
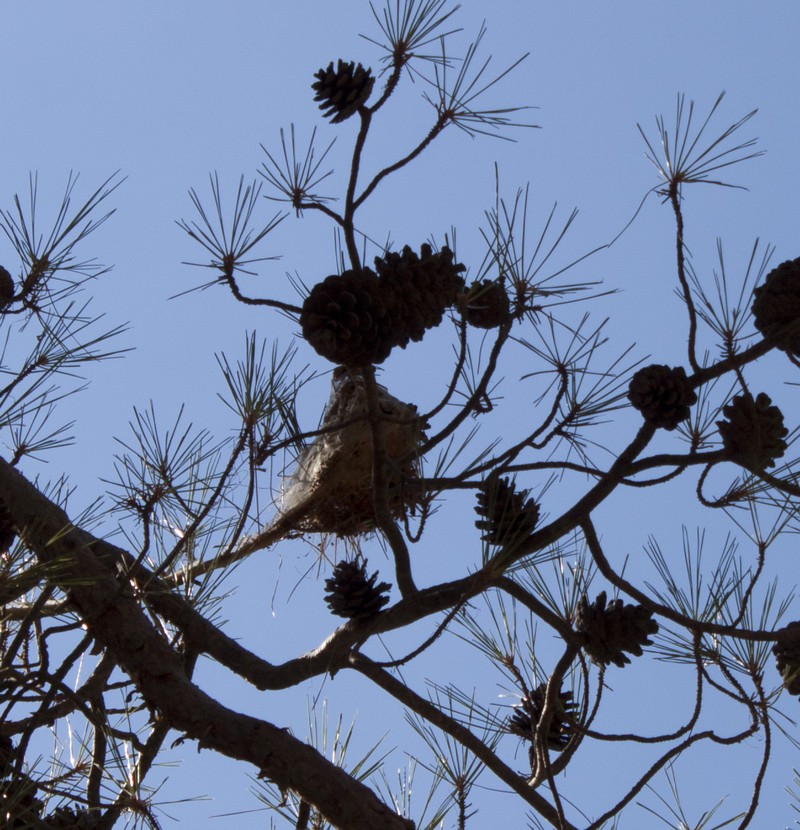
(424, 285)
(776, 307)
(343, 90)
(753, 432)
(354, 595)
(662, 394)
(527, 713)
(610, 629)
(347, 318)
(507, 516)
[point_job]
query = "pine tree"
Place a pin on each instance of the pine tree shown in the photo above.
(108, 615)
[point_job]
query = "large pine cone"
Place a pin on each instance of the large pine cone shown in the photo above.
(776, 307)
(527, 713)
(662, 394)
(7, 287)
(613, 628)
(509, 516)
(753, 432)
(485, 304)
(346, 318)
(353, 595)
(425, 285)
(787, 660)
(343, 91)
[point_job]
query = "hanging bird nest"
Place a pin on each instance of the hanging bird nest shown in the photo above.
(331, 489)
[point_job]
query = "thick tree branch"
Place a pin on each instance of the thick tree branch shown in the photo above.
(117, 623)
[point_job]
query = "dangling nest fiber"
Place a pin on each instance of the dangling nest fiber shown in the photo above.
(331, 489)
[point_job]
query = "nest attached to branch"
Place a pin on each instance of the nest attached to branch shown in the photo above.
(331, 489)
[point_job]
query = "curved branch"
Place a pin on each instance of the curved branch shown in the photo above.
(604, 566)
(440, 124)
(675, 199)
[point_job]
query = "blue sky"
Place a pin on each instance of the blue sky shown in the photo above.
(168, 92)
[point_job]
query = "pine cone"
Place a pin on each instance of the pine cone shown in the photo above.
(343, 91)
(787, 660)
(609, 630)
(485, 304)
(7, 287)
(776, 307)
(753, 432)
(509, 516)
(424, 286)
(527, 713)
(662, 394)
(353, 595)
(346, 318)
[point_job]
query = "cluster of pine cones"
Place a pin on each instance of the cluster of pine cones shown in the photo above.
(508, 516)
(776, 307)
(354, 595)
(662, 394)
(529, 710)
(610, 629)
(753, 432)
(356, 318)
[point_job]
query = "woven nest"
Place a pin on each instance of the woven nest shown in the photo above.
(331, 489)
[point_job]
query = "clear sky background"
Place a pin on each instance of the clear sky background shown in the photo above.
(168, 92)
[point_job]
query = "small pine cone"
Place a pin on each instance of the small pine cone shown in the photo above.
(613, 628)
(509, 516)
(7, 288)
(343, 90)
(353, 595)
(425, 285)
(662, 394)
(776, 307)
(485, 304)
(346, 318)
(527, 713)
(753, 431)
(787, 661)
